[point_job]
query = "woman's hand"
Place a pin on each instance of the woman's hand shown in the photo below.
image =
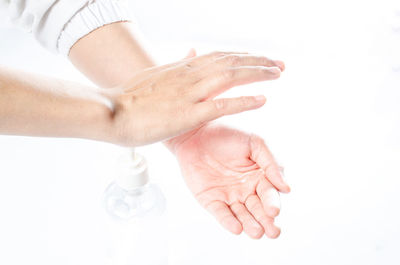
(234, 176)
(166, 101)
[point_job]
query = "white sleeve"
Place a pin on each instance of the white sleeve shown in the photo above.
(58, 24)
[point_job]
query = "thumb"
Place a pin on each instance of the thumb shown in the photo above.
(191, 53)
(209, 110)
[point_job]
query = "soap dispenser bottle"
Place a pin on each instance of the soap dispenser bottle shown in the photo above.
(136, 211)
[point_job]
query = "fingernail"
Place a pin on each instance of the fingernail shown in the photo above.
(282, 172)
(275, 69)
(280, 64)
(260, 98)
(286, 187)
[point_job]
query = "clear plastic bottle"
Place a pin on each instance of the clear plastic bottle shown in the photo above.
(136, 209)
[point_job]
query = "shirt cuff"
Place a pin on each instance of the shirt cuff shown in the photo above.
(91, 17)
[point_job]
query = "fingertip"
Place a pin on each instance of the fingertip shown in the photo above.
(285, 189)
(192, 53)
(276, 71)
(280, 64)
(257, 235)
(255, 232)
(236, 228)
(233, 226)
(260, 100)
(273, 211)
(279, 181)
(286, 186)
(273, 233)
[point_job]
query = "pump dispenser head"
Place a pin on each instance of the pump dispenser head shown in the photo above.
(132, 171)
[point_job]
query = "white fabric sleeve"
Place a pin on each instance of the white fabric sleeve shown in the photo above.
(58, 24)
(94, 15)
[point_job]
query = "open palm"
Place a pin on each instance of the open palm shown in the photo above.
(234, 176)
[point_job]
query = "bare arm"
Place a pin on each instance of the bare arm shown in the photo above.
(197, 146)
(156, 104)
(110, 55)
(37, 106)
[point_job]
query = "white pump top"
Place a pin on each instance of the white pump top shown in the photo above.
(132, 171)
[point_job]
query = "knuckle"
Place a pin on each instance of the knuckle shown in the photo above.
(263, 71)
(188, 65)
(228, 74)
(236, 60)
(180, 74)
(181, 111)
(245, 101)
(232, 60)
(273, 211)
(236, 208)
(224, 218)
(251, 202)
(153, 87)
(264, 61)
(182, 117)
(220, 104)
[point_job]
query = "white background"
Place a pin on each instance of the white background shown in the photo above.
(333, 120)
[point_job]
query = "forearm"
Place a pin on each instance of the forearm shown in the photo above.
(110, 55)
(158, 108)
(37, 106)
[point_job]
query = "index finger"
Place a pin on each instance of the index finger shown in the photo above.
(220, 81)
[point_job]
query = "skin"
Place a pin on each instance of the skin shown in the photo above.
(234, 176)
(155, 104)
(115, 45)
(162, 102)
(39, 106)
(231, 173)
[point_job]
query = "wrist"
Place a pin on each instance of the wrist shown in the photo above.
(92, 117)
(174, 143)
(122, 122)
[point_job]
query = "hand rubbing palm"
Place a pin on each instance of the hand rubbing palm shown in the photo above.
(234, 176)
